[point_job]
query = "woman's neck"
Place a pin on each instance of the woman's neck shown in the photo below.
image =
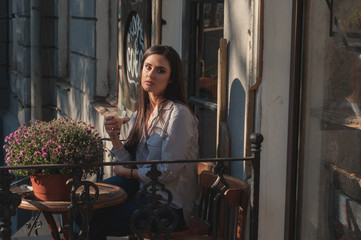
(155, 100)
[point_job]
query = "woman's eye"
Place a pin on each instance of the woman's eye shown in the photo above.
(147, 67)
(161, 71)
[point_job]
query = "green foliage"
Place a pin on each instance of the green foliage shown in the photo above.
(54, 142)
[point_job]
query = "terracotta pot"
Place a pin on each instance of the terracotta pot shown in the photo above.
(51, 188)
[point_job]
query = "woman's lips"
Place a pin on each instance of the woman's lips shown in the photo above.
(148, 82)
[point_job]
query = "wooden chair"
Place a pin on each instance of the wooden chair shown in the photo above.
(224, 217)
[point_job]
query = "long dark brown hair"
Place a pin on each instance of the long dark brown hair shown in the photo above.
(174, 91)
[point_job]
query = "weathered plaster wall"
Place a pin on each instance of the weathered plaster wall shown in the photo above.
(172, 31)
(237, 24)
(92, 61)
(272, 119)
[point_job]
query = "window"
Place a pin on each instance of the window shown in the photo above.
(330, 152)
(206, 30)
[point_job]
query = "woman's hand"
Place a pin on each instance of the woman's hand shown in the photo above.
(111, 126)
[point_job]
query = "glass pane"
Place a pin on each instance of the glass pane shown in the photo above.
(208, 54)
(330, 150)
(210, 31)
(207, 125)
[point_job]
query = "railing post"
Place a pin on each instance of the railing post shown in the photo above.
(256, 140)
(8, 203)
(148, 218)
(80, 206)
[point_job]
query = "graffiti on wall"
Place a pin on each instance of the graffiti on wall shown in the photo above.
(133, 54)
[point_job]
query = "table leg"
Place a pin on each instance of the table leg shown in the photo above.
(52, 225)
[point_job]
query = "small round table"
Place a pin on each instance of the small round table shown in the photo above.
(109, 195)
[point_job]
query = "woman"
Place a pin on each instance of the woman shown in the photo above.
(162, 128)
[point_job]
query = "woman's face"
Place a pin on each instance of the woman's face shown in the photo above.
(155, 74)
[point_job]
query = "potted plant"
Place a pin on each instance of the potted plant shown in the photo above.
(55, 142)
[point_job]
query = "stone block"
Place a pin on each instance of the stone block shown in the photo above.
(48, 91)
(12, 82)
(48, 62)
(4, 81)
(3, 9)
(11, 30)
(83, 8)
(10, 60)
(49, 8)
(48, 33)
(72, 103)
(82, 35)
(82, 73)
(3, 54)
(10, 121)
(4, 29)
(21, 7)
(4, 100)
(23, 60)
(22, 29)
(23, 90)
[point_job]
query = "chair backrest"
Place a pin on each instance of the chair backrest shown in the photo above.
(223, 203)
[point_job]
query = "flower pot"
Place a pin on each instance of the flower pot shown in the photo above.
(51, 188)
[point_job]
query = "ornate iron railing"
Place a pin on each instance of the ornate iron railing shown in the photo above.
(9, 201)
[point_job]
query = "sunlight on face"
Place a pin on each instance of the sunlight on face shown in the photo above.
(155, 74)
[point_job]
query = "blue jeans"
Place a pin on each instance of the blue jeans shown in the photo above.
(114, 221)
(130, 186)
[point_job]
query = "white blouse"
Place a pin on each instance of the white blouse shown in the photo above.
(176, 137)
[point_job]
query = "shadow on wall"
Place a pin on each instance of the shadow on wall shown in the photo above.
(236, 124)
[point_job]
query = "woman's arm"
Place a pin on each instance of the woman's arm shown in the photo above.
(122, 171)
(112, 129)
(118, 151)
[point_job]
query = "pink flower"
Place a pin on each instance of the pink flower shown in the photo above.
(37, 153)
(22, 152)
(45, 155)
(43, 150)
(26, 135)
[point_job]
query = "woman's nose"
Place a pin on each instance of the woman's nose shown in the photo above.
(151, 72)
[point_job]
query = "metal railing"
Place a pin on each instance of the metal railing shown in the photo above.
(9, 201)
